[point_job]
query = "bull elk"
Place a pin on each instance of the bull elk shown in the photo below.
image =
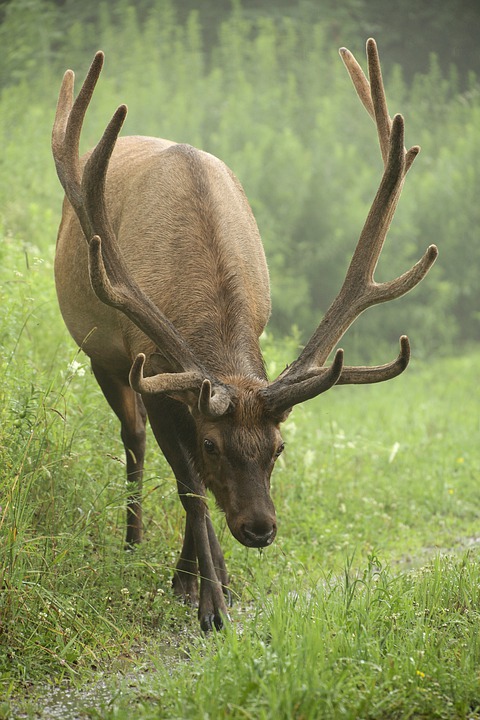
(168, 298)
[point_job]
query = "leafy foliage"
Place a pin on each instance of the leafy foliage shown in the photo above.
(272, 99)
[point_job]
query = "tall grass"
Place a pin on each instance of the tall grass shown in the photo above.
(352, 613)
(367, 644)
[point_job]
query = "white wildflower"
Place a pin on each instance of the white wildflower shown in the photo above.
(76, 368)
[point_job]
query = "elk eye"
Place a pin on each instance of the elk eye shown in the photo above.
(279, 450)
(209, 446)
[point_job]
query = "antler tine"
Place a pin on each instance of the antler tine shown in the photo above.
(211, 404)
(357, 375)
(93, 191)
(62, 115)
(380, 115)
(372, 94)
(361, 375)
(372, 237)
(67, 128)
(164, 382)
(287, 391)
(382, 119)
(360, 82)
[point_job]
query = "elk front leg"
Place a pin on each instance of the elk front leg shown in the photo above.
(129, 408)
(173, 428)
(218, 560)
(197, 552)
(212, 608)
(185, 579)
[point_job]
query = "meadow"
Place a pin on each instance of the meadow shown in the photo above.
(367, 604)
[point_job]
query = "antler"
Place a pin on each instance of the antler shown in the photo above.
(359, 290)
(109, 275)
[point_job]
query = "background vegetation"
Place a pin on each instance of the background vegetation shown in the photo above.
(267, 93)
(367, 604)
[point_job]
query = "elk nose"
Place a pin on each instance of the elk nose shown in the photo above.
(259, 534)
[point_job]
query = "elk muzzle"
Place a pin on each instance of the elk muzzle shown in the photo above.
(254, 528)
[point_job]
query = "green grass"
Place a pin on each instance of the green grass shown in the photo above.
(363, 645)
(365, 606)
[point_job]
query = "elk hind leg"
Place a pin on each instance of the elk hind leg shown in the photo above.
(129, 409)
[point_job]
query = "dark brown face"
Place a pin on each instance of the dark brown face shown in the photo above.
(237, 453)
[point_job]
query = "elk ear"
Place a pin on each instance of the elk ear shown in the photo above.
(214, 402)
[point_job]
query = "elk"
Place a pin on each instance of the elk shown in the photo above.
(168, 297)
